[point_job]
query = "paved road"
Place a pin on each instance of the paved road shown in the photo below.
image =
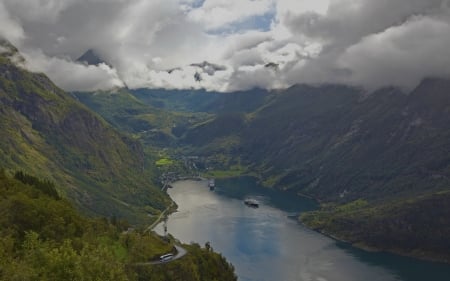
(181, 252)
(159, 218)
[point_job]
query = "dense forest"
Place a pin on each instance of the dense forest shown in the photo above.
(42, 237)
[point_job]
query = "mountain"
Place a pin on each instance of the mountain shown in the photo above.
(195, 101)
(416, 225)
(79, 158)
(47, 132)
(151, 125)
(90, 57)
(334, 144)
(160, 117)
(379, 163)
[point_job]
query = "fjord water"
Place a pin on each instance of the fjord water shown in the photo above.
(268, 244)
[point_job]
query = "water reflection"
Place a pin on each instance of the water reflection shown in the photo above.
(264, 244)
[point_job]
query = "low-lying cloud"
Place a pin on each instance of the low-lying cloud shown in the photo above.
(164, 44)
(73, 76)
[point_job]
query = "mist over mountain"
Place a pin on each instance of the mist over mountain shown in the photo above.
(90, 57)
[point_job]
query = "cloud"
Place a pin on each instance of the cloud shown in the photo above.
(10, 29)
(347, 21)
(247, 77)
(353, 37)
(215, 14)
(401, 55)
(73, 76)
(39, 10)
(363, 42)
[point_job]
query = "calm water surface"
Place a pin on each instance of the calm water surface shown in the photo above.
(265, 244)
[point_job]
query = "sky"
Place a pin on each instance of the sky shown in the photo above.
(247, 43)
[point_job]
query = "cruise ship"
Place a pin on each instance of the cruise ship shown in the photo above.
(251, 203)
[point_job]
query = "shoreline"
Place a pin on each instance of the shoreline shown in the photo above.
(371, 249)
(160, 217)
(359, 245)
(170, 209)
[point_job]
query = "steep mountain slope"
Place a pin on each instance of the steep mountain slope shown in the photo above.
(416, 226)
(223, 125)
(379, 163)
(46, 131)
(333, 144)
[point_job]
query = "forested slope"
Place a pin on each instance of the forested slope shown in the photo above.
(46, 131)
(43, 238)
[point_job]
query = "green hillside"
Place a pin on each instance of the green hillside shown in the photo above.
(149, 124)
(43, 238)
(46, 131)
(416, 226)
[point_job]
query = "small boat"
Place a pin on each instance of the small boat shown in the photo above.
(251, 203)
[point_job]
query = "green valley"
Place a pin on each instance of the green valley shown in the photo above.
(338, 145)
(84, 216)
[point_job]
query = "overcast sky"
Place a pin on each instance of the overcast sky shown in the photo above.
(256, 43)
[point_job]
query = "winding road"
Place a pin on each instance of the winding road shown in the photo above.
(181, 252)
(159, 218)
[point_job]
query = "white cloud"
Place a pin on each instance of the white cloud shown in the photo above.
(347, 21)
(73, 76)
(47, 11)
(364, 42)
(216, 14)
(287, 8)
(10, 29)
(247, 77)
(401, 55)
